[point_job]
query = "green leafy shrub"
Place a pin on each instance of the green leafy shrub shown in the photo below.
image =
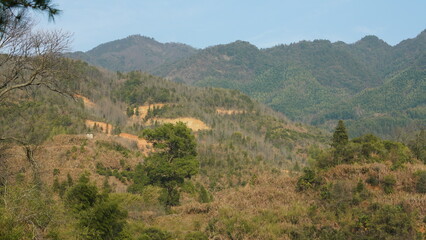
(388, 184)
(308, 180)
(361, 193)
(82, 196)
(373, 180)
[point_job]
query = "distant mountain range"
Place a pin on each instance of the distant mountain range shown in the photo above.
(374, 86)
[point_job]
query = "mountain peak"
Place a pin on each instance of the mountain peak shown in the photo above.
(135, 52)
(372, 41)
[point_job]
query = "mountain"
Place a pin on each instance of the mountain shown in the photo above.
(316, 82)
(134, 53)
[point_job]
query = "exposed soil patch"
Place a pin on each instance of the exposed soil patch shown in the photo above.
(193, 123)
(142, 143)
(86, 101)
(143, 110)
(223, 111)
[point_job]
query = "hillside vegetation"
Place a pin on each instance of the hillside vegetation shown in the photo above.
(248, 136)
(90, 154)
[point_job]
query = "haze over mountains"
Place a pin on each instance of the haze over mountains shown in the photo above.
(374, 86)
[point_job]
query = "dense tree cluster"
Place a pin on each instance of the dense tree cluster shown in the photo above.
(365, 149)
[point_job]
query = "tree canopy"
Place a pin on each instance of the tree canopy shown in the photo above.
(175, 141)
(172, 162)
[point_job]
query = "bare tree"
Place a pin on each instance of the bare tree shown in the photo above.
(31, 58)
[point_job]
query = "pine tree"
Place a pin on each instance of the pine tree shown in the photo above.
(340, 136)
(340, 141)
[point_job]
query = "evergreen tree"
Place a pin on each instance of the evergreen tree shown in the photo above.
(340, 136)
(340, 140)
(14, 11)
(418, 146)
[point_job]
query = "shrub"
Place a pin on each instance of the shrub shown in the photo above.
(421, 182)
(360, 194)
(154, 234)
(104, 221)
(196, 236)
(204, 195)
(388, 184)
(308, 180)
(384, 222)
(373, 180)
(97, 216)
(82, 196)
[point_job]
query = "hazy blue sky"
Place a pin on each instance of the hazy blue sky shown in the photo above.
(265, 23)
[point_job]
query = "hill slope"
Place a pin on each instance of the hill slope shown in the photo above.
(234, 132)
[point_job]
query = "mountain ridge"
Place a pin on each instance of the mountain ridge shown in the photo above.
(284, 76)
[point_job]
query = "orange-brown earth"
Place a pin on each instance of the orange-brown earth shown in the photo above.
(87, 103)
(193, 123)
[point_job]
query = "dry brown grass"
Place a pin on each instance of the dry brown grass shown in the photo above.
(102, 126)
(71, 154)
(404, 187)
(274, 204)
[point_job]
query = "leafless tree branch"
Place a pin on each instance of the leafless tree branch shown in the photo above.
(31, 58)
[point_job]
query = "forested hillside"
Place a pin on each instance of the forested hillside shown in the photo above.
(317, 82)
